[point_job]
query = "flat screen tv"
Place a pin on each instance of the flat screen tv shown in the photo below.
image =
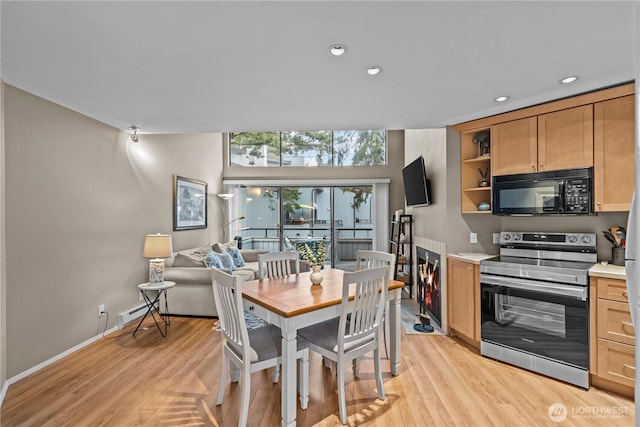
(417, 188)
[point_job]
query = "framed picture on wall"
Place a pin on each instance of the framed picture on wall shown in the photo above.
(189, 204)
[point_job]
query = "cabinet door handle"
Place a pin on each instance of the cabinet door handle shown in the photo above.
(624, 293)
(627, 324)
(632, 368)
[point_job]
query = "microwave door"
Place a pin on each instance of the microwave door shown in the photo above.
(527, 197)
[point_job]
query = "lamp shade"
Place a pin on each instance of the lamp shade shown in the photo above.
(157, 246)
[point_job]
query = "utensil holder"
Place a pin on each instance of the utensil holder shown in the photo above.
(617, 256)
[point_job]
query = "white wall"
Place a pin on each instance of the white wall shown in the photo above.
(80, 198)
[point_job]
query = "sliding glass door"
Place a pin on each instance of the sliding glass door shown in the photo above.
(281, 217)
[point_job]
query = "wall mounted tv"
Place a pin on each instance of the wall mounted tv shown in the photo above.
(417, 188)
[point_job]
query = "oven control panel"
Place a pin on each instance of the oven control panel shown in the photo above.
(517, 238)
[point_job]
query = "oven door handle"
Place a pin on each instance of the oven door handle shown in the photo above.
(579, 292)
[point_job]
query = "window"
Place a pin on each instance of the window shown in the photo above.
(308, 148)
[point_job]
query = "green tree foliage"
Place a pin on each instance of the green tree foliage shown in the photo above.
(252, 144)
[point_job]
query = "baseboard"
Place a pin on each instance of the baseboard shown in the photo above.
(54, 359)
(3, 392)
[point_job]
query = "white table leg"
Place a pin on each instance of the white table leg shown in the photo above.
(288, 371)
(394, 339)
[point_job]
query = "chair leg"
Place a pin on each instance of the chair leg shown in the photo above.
(379, 384)
(234, 371)
(246, 391)
(223, 378)
(342, 400)
(356, 365)
(275, 374)
(385, 330)
(303, 380)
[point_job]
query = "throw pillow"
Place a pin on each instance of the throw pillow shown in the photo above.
(236, 256)
(192, 257)
(227, 261)
(223, 247)
(213, 260)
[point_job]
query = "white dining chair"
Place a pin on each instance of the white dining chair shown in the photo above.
(356, 332)
(370, 259)
(278, 264)
(253, 350)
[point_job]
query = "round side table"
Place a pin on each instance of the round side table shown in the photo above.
(151, 293)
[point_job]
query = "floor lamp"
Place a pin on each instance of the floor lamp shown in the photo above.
(224, 201)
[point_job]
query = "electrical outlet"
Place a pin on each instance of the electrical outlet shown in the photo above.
(473, 237)
(496, 238)
(101, 310)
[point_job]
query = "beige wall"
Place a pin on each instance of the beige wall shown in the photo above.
(393, 171)
(80, 198)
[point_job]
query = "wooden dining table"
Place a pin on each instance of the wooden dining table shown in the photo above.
(292, 302)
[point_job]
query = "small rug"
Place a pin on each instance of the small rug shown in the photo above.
(253, 321)
(409, 318)
(250, 319)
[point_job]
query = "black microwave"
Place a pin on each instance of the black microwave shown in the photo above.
(563, 192)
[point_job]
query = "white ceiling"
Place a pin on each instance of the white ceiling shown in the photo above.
(175, 66)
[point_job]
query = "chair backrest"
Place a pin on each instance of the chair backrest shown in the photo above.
(372, 259)
(278, 264)
(361, 317)
(228, 299)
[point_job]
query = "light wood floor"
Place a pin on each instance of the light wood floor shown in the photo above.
(150, 381)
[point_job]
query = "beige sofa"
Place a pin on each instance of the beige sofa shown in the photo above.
(193, 293)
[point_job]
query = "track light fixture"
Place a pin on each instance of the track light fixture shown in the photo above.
(134, 137)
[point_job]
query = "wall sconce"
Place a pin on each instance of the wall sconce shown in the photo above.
(134, 137)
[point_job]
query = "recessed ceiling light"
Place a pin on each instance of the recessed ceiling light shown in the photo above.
(373, 70)
(337, 49)
(501, 98)
(569, 79)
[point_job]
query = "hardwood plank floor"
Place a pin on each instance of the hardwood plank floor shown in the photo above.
(148, 380)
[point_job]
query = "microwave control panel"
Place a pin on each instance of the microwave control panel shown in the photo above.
(577, 195)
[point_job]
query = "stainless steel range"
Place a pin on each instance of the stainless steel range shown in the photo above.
(535, 303)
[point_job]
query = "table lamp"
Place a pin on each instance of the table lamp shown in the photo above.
(157, 247)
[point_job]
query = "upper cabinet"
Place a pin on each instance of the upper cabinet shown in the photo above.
(613, 138)
(565, 139)
(515, 147)
(554, 141)
(475, 171)
(595, 129)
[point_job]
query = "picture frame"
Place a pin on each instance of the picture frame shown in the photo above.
(189, 204)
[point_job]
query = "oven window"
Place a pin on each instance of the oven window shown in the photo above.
(537, 316)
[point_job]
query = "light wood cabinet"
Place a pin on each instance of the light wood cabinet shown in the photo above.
(553, 141)
(612, 335)
(463, 299)
(565, 139)
(470, 174)
(591, 130)
(613, 142)
(514, 147)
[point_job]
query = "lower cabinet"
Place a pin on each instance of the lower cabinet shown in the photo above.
(463, 300)
(612, 336)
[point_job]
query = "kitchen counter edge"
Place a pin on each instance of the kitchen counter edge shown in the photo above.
(471, 257)
(609, 271)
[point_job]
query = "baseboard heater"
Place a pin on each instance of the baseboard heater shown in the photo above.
(129, 316)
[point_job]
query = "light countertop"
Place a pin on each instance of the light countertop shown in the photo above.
(608, 270)
(472, 257)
